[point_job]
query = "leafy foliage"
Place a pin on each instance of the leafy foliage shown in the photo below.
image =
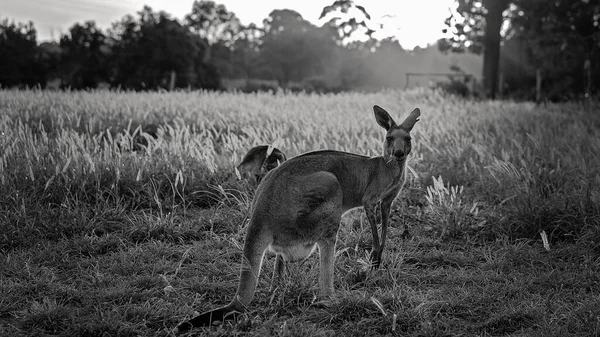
(213, 22)
(140, 64)
(85, 54)
(347, 25)
(18, 61)
(293, 48)
(477, 28)
(143, 51)
(558, 38)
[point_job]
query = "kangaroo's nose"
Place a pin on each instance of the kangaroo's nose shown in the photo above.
(399, 153)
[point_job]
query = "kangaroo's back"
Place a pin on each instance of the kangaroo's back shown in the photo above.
(356, 175)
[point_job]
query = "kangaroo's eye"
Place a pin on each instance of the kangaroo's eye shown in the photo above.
(389, 139)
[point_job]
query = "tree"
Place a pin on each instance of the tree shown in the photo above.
(49, 59)
(18, 55)
(560, 39)
(344, 20)
(245, 54)
(352, 28)
(85, 55)
(146, 51)
(213, 24)
(294, 48)
(477, 29)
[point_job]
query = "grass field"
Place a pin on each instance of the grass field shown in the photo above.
(98, 240)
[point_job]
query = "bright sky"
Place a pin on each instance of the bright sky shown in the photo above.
(412, 22)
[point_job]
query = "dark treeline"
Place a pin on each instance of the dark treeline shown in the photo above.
(152, 50)
(211, 49)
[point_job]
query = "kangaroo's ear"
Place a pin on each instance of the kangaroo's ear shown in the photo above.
(410, 121)
(383, 118)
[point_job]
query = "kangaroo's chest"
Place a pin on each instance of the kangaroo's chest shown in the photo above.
(395, 187)
(386, 191)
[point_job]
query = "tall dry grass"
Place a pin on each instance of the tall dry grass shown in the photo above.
(482, 168)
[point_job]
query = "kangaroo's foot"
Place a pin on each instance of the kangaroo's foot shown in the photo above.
(213, 317)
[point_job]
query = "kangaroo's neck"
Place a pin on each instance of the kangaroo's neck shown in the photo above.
(391, 168)
(390, 162)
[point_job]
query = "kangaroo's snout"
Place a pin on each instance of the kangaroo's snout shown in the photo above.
(399, 153)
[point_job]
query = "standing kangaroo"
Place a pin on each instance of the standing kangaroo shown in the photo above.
(299, 206)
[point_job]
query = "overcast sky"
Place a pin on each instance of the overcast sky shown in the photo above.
(412, 22)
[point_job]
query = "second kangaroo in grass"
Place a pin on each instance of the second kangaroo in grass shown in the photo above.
(299, 206)
(259, 161)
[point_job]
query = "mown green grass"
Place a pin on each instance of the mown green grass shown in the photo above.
(96, 239)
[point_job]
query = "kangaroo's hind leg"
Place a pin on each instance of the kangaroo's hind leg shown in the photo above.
(325, 199)
(326, 259)
(331, 225)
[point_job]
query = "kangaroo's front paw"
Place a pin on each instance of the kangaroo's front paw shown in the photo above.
(376, 259)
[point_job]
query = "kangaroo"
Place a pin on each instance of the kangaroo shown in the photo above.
(259, 161)
(298, 207)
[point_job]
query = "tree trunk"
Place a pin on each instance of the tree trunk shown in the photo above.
(491, 45)
(538, 86)
(172, 81)
(206, 56)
